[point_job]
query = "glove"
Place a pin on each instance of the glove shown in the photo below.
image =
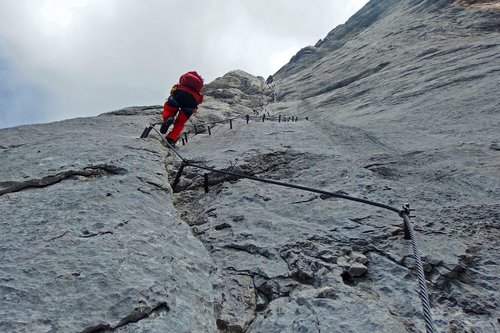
(174, 88)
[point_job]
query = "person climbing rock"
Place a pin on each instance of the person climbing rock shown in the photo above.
(184, 99)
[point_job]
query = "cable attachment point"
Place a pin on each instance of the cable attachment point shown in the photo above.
(179, 174)
(407, 210)
(405, 214)
(146, 131)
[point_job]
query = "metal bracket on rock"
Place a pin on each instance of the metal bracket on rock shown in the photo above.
(148, 129)
(404, 212)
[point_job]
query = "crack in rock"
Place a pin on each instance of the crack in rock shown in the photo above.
(56, 237)
(142, 311)
(88, 234)
(349, 80)
(250, 248)
(93, 170)
(253, 166)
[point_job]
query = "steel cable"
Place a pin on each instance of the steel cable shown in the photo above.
(424, 296)
(404, 213)
(299, 187)
(242, 117)
(163, 140)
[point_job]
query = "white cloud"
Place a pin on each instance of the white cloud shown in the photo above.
(90, 56)
(281, 57)
(58, 14)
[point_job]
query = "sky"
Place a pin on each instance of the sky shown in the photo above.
(62, 59)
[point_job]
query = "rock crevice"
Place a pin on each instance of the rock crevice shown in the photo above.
(90, 171)
(142, 311)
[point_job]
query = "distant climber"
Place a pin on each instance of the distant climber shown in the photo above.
(185, 97)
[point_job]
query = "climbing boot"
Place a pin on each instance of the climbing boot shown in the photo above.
(166, 124)
(171, 142)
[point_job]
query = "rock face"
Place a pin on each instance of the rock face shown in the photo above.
(90, 239)
(237, 93)
(402, 103)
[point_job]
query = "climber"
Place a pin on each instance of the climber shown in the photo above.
(184, 96)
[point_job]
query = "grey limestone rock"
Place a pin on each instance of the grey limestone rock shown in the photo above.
(90, 239)
(402, 102)
(403, 107)
(356, 269)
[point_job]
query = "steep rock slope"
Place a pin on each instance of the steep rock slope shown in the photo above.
(403, 102)
(410, 62)
(90, 240)
(402, 106)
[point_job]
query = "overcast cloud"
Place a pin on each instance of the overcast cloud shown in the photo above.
(62, 59)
